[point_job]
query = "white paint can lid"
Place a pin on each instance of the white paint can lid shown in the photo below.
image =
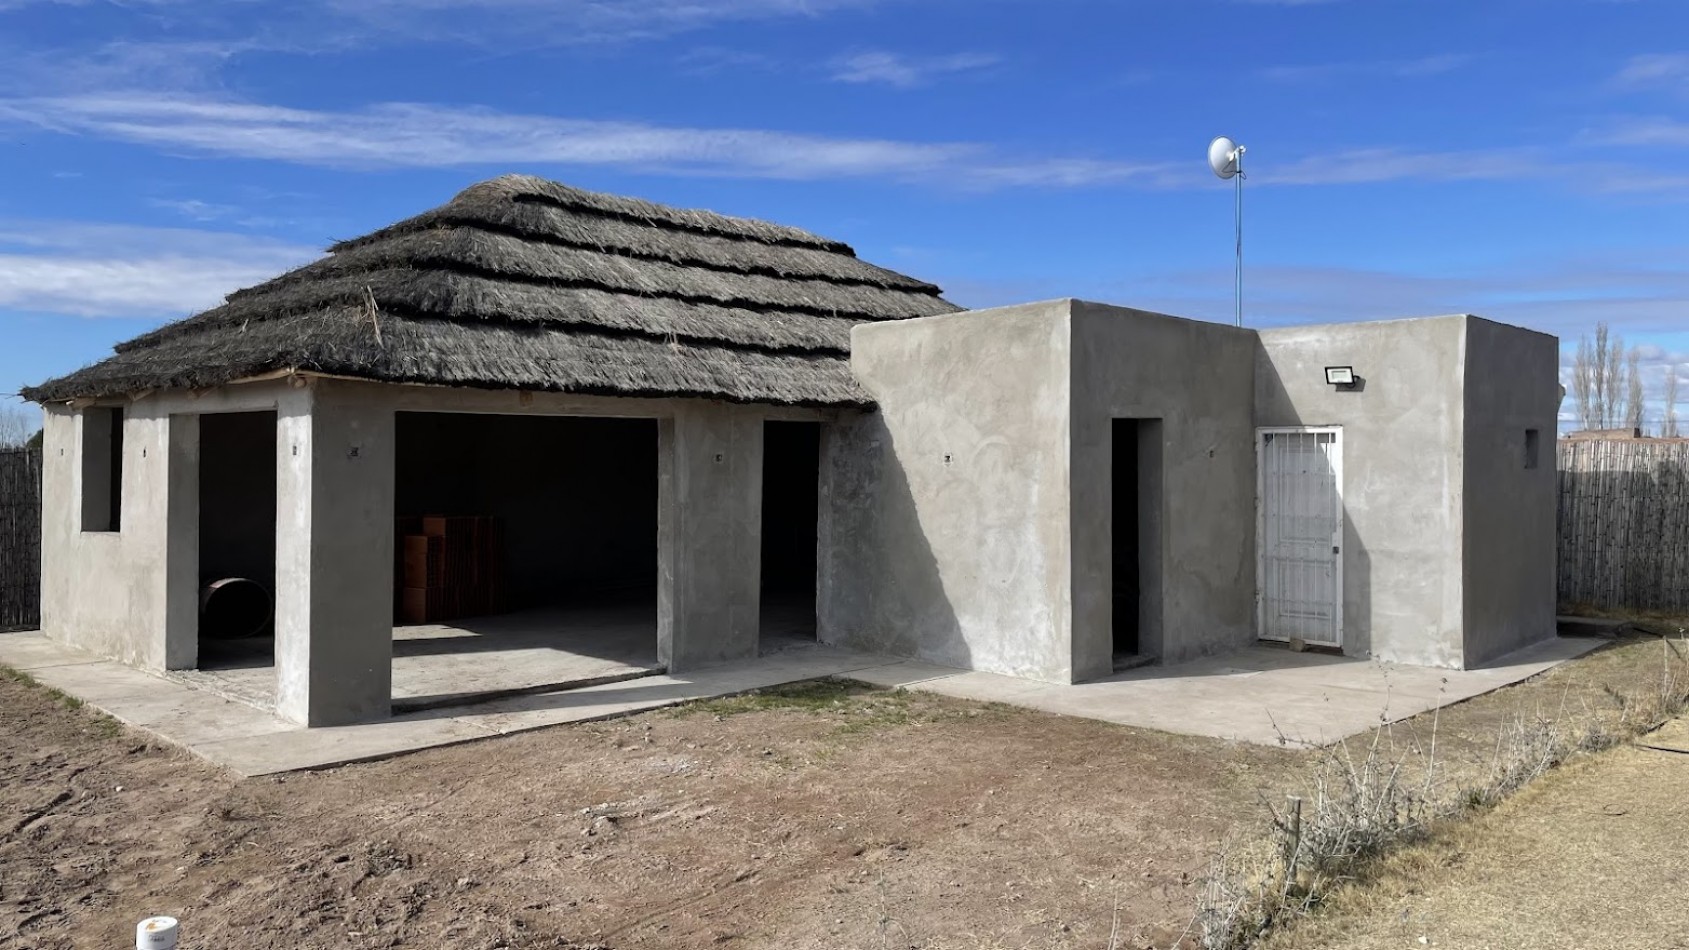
(156, 933)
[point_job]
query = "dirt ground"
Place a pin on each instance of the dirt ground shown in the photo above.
(821, 816)
(1592, 855)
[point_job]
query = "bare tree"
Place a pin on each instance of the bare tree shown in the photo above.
(16, 427)
(1669, 428)
(1635, 403)
(1598, 379)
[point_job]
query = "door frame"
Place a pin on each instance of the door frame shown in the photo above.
(1336, 433)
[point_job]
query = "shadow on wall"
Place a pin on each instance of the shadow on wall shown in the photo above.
(880, 587)
(1274, 406)
(1623, 526)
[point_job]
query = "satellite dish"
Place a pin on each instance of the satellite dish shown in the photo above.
(1225, 157)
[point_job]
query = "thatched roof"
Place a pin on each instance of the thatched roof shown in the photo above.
(523, 283)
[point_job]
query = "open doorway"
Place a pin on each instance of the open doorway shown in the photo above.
(237, 552)
(525, 554)
(791, 476)
(1135, 563)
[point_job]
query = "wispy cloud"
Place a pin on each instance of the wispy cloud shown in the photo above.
(533, 23)
(393, 135)
(194, 208)
(1651, 130)
(419, 135)
(897, 69)
(1524, 164)
(1421, 67)
(528, 24)
(123, 271)
(1655, 70)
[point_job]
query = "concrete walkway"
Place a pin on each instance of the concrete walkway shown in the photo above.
(1260, 695)
(1264, 695)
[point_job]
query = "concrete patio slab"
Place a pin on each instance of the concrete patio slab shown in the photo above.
(250, 741)
(1261, 695)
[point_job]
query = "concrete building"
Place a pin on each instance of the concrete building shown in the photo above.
(705, 435)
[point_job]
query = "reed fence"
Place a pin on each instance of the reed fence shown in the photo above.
(20, 538)
(1624, 524)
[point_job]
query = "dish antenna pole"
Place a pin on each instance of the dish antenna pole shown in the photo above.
(1225, 157)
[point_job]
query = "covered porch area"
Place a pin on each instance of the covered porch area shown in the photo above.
(679, 543)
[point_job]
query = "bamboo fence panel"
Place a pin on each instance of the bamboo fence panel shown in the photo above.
(1623, 524)
(20, 539)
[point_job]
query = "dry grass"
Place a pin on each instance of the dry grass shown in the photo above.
(1370, 798)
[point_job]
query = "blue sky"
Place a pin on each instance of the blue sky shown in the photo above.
(1527, 160)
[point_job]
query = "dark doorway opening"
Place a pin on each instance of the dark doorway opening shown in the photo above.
(791, 477)
(1136, 532)
(525, 554)
(237, 540)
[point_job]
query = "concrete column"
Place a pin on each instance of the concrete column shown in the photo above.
(181, 543)
(334, 555)
(709, 534)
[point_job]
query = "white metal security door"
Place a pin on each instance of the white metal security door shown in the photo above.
(1299, 534)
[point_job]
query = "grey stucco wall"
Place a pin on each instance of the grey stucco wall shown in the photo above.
(1512, 386)
(1197, 379)
(945, 531)
(1403, 482)
(131, 594)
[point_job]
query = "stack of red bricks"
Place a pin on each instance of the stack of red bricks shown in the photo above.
(449, 567)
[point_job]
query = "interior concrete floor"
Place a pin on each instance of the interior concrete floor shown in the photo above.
(484, 658)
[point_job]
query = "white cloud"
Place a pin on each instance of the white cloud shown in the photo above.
(393, 135)
(1557, 166)
(399, 134)
(896, 69)
(559, 22)
(194, 208)
(531, 24)
(1655, 70)
(118, 270)
(1424, 66)
(1657, 130)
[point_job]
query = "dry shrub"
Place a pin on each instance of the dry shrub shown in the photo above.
(1371, 797)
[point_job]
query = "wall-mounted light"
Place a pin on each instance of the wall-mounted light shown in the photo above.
(1343, 377)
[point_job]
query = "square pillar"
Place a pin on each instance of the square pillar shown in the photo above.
(181, 544)
(334, 555)
(709, 534)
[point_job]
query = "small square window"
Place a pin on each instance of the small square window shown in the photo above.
(1532, 447)
(102, 470)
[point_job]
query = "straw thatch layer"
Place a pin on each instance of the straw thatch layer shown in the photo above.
(343, 341)
(524, 283)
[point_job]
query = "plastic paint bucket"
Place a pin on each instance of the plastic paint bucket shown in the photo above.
(156, 933)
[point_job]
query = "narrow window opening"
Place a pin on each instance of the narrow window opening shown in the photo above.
(102, 470)
(1532, 447)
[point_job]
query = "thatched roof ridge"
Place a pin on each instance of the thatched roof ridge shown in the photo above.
(592, 231)
(532, 189)
(472, 298)
(500, 256)
(523, 283)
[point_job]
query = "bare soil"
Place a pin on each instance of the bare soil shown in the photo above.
(823, 815)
